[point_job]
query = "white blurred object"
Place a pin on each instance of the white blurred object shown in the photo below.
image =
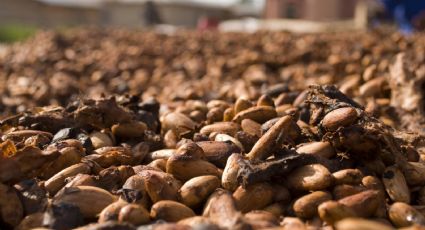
(165, 29)
(292, 25)
(361, 14)
(249, 25)
(359, 21)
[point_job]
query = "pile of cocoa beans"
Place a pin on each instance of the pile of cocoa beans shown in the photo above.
(58, 68)
(114, 129)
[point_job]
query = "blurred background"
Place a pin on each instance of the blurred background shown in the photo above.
(90, 48)
(20, 18)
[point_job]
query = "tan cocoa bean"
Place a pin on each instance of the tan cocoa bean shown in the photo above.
(261, 149)
(348, 176)
(404, 215)
(221, 209)
(218, 104)
(38, 140)
(101, 139)
(159, 163)
(373, 87)
(81, 179)
(310, 178)
(251, 127)
(160, 185)
(228, 114)
(350, 86)
(178, 122)
(230, 172)
(111, 211)
(344, 190)
(160, 154)
(191, 105)
(56, 182)
(369, 72)
(134, 214)
(137, 183)
(215, 114)
(227, 127)
(197, 190)
(285, 98)
(253, 197)
(171, 211)
(372, 182)
(188, 162)
(338, 118)
(69, 156)
(395, 185)
(170, 139)
(321, 148)
(265, 100)
(364, 204)
(184, 169)
(333, 211)
(259, 114)
(21, 135)
(109, 156)
(247, 140)
(197, 116)
(306, 206)
(129, 130)
(242, 104)
(226, 138)
(217, 152)
(90, 200)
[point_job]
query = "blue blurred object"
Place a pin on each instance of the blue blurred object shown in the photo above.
(404, 11)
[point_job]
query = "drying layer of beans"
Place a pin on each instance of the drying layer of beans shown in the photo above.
(114, 129)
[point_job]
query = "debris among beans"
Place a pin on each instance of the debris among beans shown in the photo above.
(212, 131)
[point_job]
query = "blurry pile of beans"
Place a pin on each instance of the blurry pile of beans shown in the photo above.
(114, 129)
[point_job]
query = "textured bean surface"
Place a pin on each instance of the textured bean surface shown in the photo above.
(117, 129)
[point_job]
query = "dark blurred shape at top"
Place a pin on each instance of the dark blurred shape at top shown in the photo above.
(151, 14)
